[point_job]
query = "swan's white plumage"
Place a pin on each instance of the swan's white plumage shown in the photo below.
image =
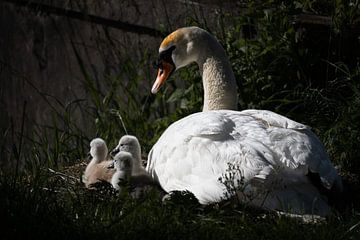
(272, 153)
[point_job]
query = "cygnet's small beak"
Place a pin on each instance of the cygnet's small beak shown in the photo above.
(163, 73)
(111, 165)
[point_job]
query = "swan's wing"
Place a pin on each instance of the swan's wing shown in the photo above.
(298, 147)
(274, 119)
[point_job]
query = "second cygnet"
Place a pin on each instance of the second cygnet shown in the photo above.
(130, 144)
(139, 181)
(123, 162)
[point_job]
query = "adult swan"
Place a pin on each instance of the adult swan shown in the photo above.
(267, 157)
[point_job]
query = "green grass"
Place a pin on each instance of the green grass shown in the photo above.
(53, 206)
(279, 70)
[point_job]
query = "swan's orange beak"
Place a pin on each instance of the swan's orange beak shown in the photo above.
(163, 74)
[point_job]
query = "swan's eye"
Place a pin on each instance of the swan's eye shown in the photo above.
(164, 56)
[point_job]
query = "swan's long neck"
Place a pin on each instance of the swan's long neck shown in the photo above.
(220, 91)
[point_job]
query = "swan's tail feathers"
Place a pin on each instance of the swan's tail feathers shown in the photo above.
(303, 199)
(336, 186)
(332, 181)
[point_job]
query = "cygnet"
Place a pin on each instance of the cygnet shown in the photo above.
(129, 143)
(98, 169)
(123, 162)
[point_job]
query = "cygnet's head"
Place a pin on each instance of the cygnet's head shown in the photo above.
(123, 161)
(177, 50)
(98, 149)
(129, 144)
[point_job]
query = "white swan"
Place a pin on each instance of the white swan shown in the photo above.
(129, 143)
(270, 156)
(123, 163)
(98, 169)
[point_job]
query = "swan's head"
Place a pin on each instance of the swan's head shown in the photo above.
(98, 148)
(128, 143)
(177, 50)
(123, 161)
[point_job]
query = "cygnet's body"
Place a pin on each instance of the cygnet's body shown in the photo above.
(98, 169)
(130, 144)
(139, 181)
(123, 162)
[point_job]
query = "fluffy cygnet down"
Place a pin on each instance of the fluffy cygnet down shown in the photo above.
(140, 181)
(136, 185)
(130, 144)
(123, 162)
(98, 169)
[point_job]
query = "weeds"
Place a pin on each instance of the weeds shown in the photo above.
(233, 180)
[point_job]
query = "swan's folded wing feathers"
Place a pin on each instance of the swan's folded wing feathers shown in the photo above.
(212, 124)
(274, 119)
(298, 146)
(301, 147)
